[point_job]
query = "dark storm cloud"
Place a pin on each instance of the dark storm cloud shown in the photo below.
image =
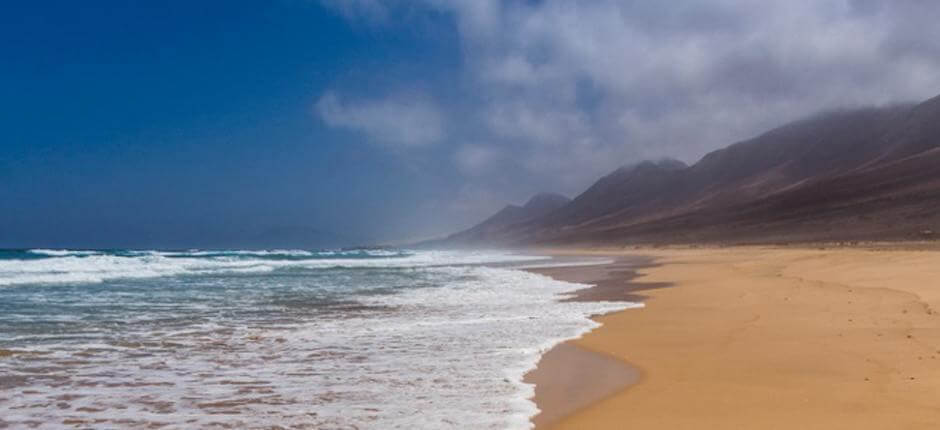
(556, 92)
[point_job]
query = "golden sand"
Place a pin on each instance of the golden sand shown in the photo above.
(760, 338)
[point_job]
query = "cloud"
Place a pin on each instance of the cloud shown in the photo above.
(566, 91)
(476, 159)
(407, 120)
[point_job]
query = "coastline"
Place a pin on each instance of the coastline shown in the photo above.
(569, 377)
(753, 337)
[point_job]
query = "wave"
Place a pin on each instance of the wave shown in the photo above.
(446, 348)
(80, 267)
(60, 252)
(222, 253)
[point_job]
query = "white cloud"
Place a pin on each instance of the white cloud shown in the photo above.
(476, 159)
(536, 123)
(408, 120)
(566, 91)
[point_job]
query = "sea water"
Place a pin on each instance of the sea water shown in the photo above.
(364, 339)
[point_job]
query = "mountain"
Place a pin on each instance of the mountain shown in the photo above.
(496, 228)
(864, 174)
(637, 187)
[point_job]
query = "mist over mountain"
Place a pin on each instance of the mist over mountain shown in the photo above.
(860, 174)
(510, 218)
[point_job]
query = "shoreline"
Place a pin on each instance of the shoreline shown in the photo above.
(569, 377)
(753, 337)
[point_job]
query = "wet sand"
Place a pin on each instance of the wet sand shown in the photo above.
(756, 338)
(569, 377)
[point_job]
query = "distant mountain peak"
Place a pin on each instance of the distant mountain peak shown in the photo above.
(662, 163)
(648, 165)
(538, 206)
(543, 201)
(671, 164)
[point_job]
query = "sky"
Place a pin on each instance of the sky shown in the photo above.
(215, 123)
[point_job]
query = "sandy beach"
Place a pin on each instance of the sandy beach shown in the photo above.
(752, 338)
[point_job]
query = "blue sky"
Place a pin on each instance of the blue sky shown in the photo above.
(194, 124)
(182, 122)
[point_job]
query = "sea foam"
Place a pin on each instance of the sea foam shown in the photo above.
(422, 340)
(71, 267)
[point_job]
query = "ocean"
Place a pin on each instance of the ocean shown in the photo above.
(361, 339)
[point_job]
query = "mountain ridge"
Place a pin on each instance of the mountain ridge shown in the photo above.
(859, 174)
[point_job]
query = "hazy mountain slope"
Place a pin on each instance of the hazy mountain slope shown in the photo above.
(894, 201)
(825, 145)
(645, 186)
(859, 174)
(919, 131)
(497, 227)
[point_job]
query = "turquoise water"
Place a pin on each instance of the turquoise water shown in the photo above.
(117, 300)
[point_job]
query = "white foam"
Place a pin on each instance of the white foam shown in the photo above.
(72, 268)
(60, 252)
(498, 323)
(260, 252)
(446, 357)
